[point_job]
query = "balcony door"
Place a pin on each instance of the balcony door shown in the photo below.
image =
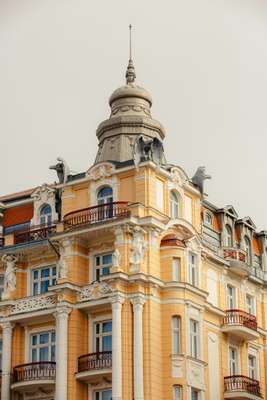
(43, 347)
(105, 201)
(103, 336)
(233, 361)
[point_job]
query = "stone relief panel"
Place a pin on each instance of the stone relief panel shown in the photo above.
(138, 250)
(195, 373)
(33, 303)
(95, 291)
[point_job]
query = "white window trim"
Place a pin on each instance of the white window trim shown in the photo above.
(91, 323)
(31, 331)
(254, 303)
(235, 296)
(254, 352)
(234, 346)
(197, 268)
(92, 256)
(29, 275)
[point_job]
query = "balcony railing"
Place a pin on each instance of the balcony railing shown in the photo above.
(34, 234)
(234, 254)
(239, 317)
(43, 370)
(240, 383)
(95, 361)
(95, 214)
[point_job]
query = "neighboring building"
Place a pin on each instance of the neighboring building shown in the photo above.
(123, 282)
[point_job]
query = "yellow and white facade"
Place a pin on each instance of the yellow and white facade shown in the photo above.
(124, 283)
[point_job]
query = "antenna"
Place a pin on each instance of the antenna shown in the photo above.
(130, 41)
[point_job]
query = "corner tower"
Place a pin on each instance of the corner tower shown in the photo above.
(130, 135)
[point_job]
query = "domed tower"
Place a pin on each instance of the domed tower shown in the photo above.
(130, 135)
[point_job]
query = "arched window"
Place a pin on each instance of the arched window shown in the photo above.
(105, 195)
(248, 250)
(228, 236)
(176, 333)
(46, 215)
(174, 205)
(208, 219)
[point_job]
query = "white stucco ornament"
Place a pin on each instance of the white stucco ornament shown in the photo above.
(116, 259)
(139, 248)
(102, 171)
(65, 250)
(43, 195)
(10, 280)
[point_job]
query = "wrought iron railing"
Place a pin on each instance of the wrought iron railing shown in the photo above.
(242, 383)
(95, 361)
(95, 214)
(234, 254)
(239, 317)
(34, 234)
(43, 370)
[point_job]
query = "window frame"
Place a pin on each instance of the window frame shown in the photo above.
(177, 389)
(233, 297)
(197, 392)
(230, 359)
(254, 375)
(248, 249)
(176, 335)
(105, 199)
(46, 216)
(208, 215)
(228, 236)
(101, 266)
(193, 267)
(52, 277)
(194, 338)
(176, 269)
(250, 308)
(174, 205)
(50, 344)
(99, 336)
(100, 391)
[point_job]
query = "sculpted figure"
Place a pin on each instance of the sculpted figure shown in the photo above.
(148, 149)
(62, 170)
(10, 274)
(199, 178)
(116, 258)
(138, 249)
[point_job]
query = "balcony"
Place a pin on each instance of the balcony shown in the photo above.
(95, 365)
(241, 324)
(241, 387)
(32, 375)
(237, 260)
(36, 233)
(96, 214)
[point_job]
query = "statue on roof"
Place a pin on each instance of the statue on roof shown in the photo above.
(148, 149)
(199, 178)
(62, 170)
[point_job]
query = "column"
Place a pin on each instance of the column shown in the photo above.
(138, 303)
(7, 328)
(62, 316)
(117, 302)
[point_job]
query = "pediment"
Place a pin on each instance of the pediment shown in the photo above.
(230, 210)
(247, 221)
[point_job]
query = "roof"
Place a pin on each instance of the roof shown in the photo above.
(17, 195)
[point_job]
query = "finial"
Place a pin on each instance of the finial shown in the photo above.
(130, 72)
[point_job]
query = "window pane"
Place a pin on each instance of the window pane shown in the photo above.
(43, 354)
(45, 273)
(44, 338)
(35, 274)
(35, 289)
(107, 259)
(34, 355)
(53, 337)
(44, 286)
(107, 343)
(107, 326)
(54, 270)
(105, 271)
(53, 353)
(34, 340)
(106, 395)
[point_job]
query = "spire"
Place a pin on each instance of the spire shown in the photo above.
(130, 72)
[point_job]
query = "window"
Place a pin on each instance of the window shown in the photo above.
(228, 236)
(194, 338)
(176, 329)
(103, 394)
(103, 336)
(105, 195)
(252, 366)
(1, 350)
(250, 304)
(43, 346)
(46, 215)
(193, 269)
(42, 278)
(176, 269)
(233, 365)
(248, 250)
(208, 218)
(195, 394)
(174, 205)
(103, 263)
(177, 392)
(231, 297)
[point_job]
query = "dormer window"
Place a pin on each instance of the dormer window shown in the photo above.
(46, 215)
(248, 250)
(228, 236)
(174, 205)
(208, 218)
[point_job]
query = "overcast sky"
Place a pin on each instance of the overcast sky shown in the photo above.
(204, 62)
